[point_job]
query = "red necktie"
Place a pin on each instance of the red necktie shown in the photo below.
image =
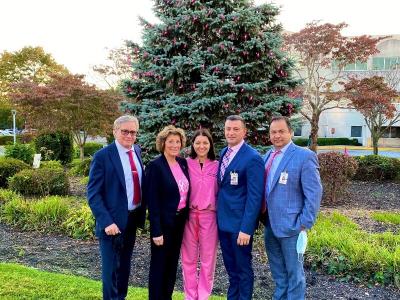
(135, 175)
(266, 173)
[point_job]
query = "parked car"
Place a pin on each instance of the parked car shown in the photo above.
(6, 132)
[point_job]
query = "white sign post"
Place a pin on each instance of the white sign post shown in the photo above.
(36, 160)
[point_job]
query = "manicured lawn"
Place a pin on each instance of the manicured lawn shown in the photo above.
(19, 282)
(387, 217)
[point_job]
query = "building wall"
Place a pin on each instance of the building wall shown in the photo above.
(338, 122)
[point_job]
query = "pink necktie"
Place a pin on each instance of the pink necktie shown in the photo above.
(135, 175)
(225, 162)
(266, 173)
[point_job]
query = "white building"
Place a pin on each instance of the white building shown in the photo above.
(349, 122)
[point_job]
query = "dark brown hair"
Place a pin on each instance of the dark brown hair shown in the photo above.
(236, 118)
(286, 119)
(206, 133)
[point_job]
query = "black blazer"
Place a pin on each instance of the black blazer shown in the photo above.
(162, 194)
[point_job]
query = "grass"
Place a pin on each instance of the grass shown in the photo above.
(338, 246)
(387, 217)
(20, 282)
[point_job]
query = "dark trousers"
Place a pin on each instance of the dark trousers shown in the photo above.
(237, 261)
(164, 261)
(116, 254)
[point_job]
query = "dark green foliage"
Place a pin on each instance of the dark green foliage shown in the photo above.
(81, 168)
(55, 146)
(376, 167)
(7, 139)
(206, 60)
(22, 152)
(336, 170)
(40, 182)
(9, 167)
(328, 142)
(89, 149)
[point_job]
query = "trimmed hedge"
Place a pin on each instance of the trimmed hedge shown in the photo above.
(9, 167)
(377, 168)
(51, 164)
(40, 182)
(22, 152)
(89, 149)
(328, 142)
(55, 146)
(336, 170)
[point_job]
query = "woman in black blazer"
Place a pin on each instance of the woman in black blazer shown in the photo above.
(167, 193)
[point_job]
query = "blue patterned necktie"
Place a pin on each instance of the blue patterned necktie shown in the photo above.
(225, 162)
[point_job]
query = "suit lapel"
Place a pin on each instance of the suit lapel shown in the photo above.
(235, 161)
(139, 157)
(282, 165)
(116, 161)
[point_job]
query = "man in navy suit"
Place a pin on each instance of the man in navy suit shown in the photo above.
(114, 195)
(239, 200)
(293, 194)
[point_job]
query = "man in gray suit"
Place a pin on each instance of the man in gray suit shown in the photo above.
(293, 194)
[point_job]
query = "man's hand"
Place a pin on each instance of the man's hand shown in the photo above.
(159, 240)
(112, 229)
(243, 239)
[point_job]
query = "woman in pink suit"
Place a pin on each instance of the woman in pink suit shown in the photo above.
(201, 234)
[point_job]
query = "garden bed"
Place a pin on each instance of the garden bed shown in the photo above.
(62, 254)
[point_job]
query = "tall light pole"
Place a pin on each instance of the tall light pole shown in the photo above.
(14, 112)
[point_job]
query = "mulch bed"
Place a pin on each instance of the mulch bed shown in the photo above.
(58, 253)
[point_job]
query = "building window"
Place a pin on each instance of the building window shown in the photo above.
(391, 132)
(356, 66)
(356, 131)
(297, 131)
(385, 63)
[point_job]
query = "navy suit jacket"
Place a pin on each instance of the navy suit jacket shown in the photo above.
(106, 190)
(238, 206)
(295, 203)
(162, 194)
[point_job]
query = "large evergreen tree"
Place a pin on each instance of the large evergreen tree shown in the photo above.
(208, 59)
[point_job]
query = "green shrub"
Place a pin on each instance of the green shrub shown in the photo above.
(376, 167)
(7, 195)
(6, 139)
(51, 164)
(40, 182)
(48, 214)
(336, 170)
(89, 149)
(9, 167)
(339, 247)
(303, 142)
(80, 223)
(22, 152)
(81, 168)
(55, 146)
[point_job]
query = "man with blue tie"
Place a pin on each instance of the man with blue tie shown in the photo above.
(293, 194)
(240, 193)
(114, 195)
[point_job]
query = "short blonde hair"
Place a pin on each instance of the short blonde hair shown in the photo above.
(165, 133)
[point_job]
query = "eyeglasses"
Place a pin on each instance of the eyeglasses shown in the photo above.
(126, 132)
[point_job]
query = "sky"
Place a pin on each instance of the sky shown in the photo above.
(78, 33)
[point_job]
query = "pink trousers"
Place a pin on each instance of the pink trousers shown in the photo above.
(199, 244)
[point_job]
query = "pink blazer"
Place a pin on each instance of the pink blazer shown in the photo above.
(203, 184)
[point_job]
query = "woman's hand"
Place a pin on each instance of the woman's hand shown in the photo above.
(159, 240)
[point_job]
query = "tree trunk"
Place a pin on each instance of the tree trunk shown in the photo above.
(81, 152)
(314, 132)
(375, 139)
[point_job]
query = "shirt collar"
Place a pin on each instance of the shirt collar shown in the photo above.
(283, 150)
(237, 147)
(122, 148)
